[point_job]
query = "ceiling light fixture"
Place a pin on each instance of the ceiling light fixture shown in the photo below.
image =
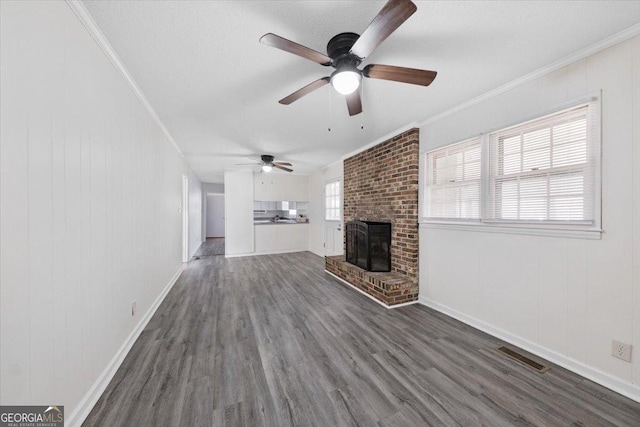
(266, 168)
(346, 81)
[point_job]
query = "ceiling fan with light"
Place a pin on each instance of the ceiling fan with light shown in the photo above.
(346, 51)
(267, 164)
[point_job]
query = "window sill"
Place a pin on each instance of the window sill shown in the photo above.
(532, 230)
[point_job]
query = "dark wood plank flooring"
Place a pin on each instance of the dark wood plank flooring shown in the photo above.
(212, 247)
(274, 341)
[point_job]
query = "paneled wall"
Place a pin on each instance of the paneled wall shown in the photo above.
(238, 205)
(561, 297)
(90, 190)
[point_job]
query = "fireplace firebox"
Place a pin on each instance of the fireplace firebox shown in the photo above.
(369, 245)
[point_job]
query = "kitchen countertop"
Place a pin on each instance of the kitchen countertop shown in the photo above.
(278, 223)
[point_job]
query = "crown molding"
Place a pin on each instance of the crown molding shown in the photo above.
(563, 62)
(382, 139)
(554, 66)
(85, 18)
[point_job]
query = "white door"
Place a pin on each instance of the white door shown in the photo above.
(333, 240)
(215, 215)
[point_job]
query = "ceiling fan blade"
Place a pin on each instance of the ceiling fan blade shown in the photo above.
(399, 74)
(282, 167)
(354, 103)
(304, 91)
(282, 163)
(273, 40)
(392, 15)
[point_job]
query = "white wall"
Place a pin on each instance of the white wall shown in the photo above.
(208, 187)
(90, 189)
(316, 204)
(564, 298)
(238, 202)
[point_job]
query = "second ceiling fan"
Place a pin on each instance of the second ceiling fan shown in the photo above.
(347, 50)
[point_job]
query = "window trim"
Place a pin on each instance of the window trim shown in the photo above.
(546, 228)
(324, 200)
(427, 181)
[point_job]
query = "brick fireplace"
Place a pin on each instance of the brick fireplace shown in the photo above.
(381, 184)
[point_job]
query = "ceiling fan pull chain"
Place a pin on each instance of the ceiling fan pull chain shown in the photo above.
(330, 110)
(362, 98)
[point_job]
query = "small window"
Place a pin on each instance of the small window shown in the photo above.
(453, 181)
(332, 201)
(544, 170)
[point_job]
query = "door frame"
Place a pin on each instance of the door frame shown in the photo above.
(185, 218)
(325, 221)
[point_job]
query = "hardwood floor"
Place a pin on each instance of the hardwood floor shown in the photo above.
(212, 247)
(274, 341)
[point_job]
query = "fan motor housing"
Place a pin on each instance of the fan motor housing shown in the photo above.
(266, 158)
(340, 45)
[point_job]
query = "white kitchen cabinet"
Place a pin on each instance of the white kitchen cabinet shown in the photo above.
(280, 238)
(285, 205)
(276, 186)
(261, 205)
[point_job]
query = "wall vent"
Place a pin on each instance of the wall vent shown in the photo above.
(524, 360)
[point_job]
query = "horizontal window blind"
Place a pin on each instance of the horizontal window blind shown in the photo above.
(544, 170)
(453, 181)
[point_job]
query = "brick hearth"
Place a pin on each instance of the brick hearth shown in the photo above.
(390, 288)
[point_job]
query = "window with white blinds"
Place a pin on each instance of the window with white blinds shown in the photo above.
(332, 201)
(453, 181)
(544, 170)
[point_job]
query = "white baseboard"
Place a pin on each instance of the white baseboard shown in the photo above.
(288, 251)
(89, 400)
(369, 296)
(616, 384)
(238, 255)
(313, 251)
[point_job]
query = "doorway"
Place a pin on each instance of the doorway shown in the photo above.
(214, 226)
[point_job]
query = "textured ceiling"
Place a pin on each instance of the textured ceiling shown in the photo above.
(216, 88)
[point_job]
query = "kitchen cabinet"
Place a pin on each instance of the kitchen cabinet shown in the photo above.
(265, 206)
(285, 206)
(276, 186)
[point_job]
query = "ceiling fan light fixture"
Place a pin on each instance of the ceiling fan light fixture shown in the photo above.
(346, 82)
(266, 168)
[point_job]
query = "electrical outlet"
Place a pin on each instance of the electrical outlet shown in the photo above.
(133, 308)
(621, 350)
